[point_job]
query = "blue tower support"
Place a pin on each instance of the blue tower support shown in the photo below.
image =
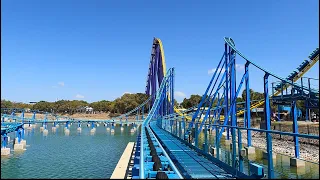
(19, 135)
(226, 100)
(295, 129)
(248, 112)
(233, 106)
(67, 123)
(45, 120)
(268, 124)
(79, 124)
(172, 91)
(5, 141)
(92, 124)
(217, 143)
(307, 110)
(22, 132)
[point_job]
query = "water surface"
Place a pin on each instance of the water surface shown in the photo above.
(79, 155)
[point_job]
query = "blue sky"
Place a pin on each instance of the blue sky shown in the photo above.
(94, 50)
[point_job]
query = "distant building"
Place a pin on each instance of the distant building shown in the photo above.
(89, 109)
(257, 110)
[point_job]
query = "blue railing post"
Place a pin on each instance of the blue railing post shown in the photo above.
(268, 127)
(180, 127)
(217, 144)
(171, 125)
(79, 125)
(176, 122)
(92, 125)
(295, 128)
(248, 112)
(239, 151)
(205, 139)
(279, 109)
(196, 135)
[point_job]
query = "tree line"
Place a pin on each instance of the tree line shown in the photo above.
(122, 104)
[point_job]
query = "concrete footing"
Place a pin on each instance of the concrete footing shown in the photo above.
(121, 128)
(93, 130)
(18, 147)
(5, 151)
(297, 162)
(98, 125)
(132, 130)
(57, 125)
(108, 129)
(24, 143)
(265, 155)
(250, 150)
(88, 125)
(45, 132)
(41, 128)
(112, 130)
(213, 151)
(79, 129)
(54, 128)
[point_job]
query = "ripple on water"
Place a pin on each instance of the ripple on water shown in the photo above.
(79, 155)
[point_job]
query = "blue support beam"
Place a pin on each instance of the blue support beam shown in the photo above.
(268, 126)
(295, 129)
(233, 106)
(248, 103)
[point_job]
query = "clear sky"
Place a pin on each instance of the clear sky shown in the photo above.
(99, 49)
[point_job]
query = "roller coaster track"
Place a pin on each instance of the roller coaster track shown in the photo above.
(298, 76)
(254, 105)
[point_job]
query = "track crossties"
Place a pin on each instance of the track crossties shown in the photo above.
(188, 161)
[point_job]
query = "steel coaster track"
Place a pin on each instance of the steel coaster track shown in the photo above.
(259, 103)
(160, 94)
